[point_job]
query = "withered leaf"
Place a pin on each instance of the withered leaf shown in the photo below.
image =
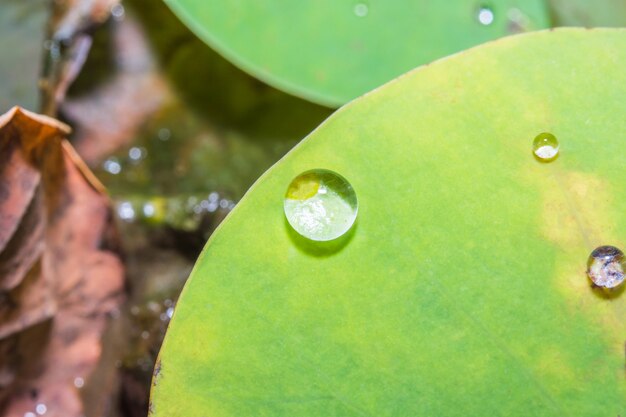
(59, 280)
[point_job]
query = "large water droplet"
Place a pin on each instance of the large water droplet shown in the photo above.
(606, 266)
(546, 147)
(320, 205)
(485, 15)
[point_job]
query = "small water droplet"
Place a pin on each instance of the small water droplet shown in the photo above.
(148, 210)
(546, 147)
(126, 211)
(136, 154)
(606, 266)
(213, 197)
(361, 9)
(485, 15)
(41, 409)
(112, 166)
(118, 12)
(170, 312)
(224, 203)
(320, 216)
(145, 335)
(164, 134)
(79, 382)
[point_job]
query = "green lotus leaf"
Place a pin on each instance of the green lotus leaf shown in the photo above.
(462, 288)
(331, 51)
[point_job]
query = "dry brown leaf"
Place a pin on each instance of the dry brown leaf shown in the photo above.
(59, 280)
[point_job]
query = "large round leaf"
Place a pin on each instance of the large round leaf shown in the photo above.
(462, 290)
(330, 51)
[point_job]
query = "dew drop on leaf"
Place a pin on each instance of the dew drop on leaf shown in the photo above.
(320, 205)
(361, 10)
(485, 15)
(606, 266)
(546, 147)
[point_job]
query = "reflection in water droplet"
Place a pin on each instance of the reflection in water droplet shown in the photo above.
(79, 382)
(112, 166)
(606, 266)
(485, 15)
(325, 215)
(361, 9)
(546, 147)
(41, 409)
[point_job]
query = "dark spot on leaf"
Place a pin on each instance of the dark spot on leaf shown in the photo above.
(157, 372)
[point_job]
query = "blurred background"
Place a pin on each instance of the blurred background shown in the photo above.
(177, 134)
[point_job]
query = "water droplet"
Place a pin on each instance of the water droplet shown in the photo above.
(606, 266)
(361, 9)
(164, 134)
(79, 382)
(320, 205)
(30, 414)
(170, 312)
(137, 154)
(126, 211)
(118, 12)
(485, 15)
(41, 409)
(546, 147)
(149, 210)
(145, 335)
(112, 166)
(224, 203)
